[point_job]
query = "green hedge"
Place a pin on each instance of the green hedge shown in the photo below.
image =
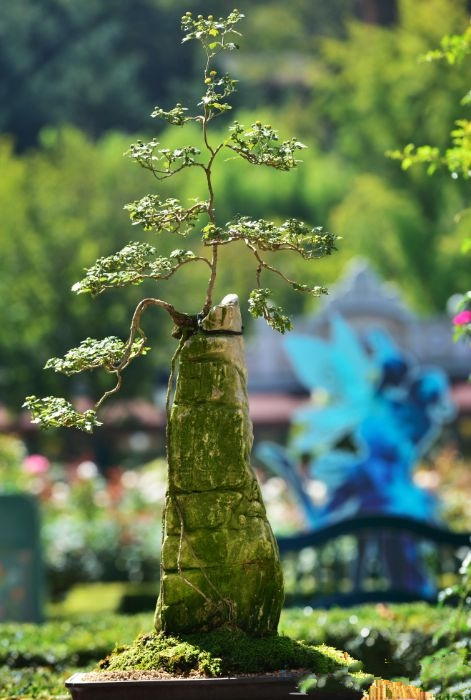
(35, 660)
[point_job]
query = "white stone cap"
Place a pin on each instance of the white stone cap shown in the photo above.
(225, 316)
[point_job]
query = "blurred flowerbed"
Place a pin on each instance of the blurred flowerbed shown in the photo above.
(109, 529)
(93, 529)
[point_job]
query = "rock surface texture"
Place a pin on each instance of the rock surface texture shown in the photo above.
(220, 560)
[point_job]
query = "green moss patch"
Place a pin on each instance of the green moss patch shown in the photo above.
(226, 652)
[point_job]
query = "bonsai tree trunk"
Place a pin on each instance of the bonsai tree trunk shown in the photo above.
(220, 563)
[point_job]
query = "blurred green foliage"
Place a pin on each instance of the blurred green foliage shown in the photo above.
(350, 90)
(456, 159)
(63, 206)
(104, 67)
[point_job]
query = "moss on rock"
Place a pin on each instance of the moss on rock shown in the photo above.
(220, 560)
(226, 652)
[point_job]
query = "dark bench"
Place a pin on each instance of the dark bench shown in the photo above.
(371, 559)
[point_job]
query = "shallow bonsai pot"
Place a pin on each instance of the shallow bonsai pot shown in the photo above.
(241, 688)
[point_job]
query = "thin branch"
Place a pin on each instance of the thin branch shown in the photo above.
(180, 319)
(212, 218)
(168, 173)
(195, 258)
(171, 379)
(258, 274)
(212, 280)
(110, 392)
(266, 266)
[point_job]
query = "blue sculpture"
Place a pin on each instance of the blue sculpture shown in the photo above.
(373, 413)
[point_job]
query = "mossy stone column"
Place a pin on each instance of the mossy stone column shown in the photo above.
(220, 560)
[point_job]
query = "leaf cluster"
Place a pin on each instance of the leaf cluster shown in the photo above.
(261, 307)
(131, 266)
(210, 32)
(55, 412)
(292, 234)
(259, 146)
(110, 353)
(163, 162)
(169, 215)
(176, 116)
(453, 48)
(457, 159)
(217, 89)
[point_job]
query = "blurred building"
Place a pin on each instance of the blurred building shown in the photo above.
(365, 302)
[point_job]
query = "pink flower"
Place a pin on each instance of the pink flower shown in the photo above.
(36, 464)
(462, 318)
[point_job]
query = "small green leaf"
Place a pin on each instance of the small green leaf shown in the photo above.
(292, 234)
(176, 116)
(168, 215)
(259, 306)
(259, 145)
(91, 354)
(54, 412)
(129, 266)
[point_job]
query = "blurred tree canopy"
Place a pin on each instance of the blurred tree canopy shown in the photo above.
(375, 93)
(88, 64)
(101, 66)
(61, 206)
(78, 83)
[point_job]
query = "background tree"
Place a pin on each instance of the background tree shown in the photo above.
(93, 66)
(456, 159)
(372, 98)
(84, 65)
(51, 200)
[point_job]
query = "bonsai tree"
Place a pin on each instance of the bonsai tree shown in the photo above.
(220, 562)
